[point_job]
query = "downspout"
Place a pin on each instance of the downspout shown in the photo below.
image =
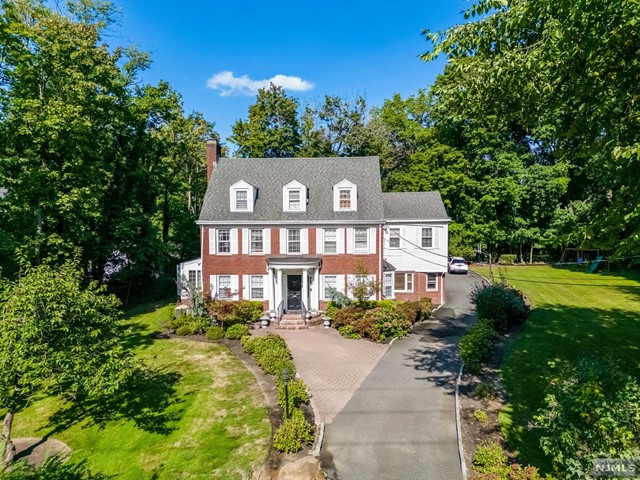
(380, 273)
(204, 296)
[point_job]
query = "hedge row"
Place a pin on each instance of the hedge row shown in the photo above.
(274, 357)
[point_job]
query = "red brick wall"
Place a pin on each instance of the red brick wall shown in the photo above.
(256, 264)
(420, 289)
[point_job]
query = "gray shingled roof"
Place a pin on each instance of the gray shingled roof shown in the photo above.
(319, 175)
(413, 206)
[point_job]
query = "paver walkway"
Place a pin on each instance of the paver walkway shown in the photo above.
(332, 367)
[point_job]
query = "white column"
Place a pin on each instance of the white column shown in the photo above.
(316, 289)
(272, 300)
(305, 288)
(279, 288)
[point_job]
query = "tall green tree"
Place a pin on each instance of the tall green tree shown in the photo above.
(272, 129)
(564, 76)
(95, 163)
(56, 335)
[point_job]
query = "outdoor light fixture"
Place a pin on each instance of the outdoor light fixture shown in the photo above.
(285, 378)
(326, 321)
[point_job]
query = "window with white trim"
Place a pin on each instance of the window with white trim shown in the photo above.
(427, 237)
(293, 240)
(294, 197)
(257, 287)
(224, 241)
(224, 287)
(394, 238)
(361, 240)
(330, 240)
(403, 282)
(241, 196)
(330, 285)
(256, 242)
(195, 278)
(345, 199)
(294, 200)
(432, 281)
(345, 196)
(242, 199)
(388, 285)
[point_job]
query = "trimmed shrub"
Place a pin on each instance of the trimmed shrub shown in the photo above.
(501, 304)
(237, 331)
(233, 312)
(249, 311)
(388, 323)
(293, 433)
(297, 394)
(347, 331)
(426, 307)
(271, 353)
(332, 310)
(215, 333)
(193, 324)
(347, 316)
(507, 259)
(410, 310)
(490, 459)
(481, 417)
(384, 303)
(476, 345)
(186, 329)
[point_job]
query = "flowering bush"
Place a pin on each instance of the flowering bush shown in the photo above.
(387, 323)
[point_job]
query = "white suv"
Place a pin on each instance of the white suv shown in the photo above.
(458, 265)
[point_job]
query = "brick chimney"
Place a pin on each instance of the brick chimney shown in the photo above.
(213, 155)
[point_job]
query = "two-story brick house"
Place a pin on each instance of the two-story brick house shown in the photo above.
(287, 230)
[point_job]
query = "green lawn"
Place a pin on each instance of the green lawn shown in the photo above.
(575, 314)
(199, 414)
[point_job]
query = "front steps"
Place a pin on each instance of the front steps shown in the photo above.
(294, 321)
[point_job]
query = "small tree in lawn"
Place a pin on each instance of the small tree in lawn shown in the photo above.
(363, 287)
(56, 335)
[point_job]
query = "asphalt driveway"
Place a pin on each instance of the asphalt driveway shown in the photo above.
(400, 423)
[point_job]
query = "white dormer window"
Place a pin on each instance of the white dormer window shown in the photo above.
(294, 197)
(241, 200)
(294, 200)
(241, 197)
(345, 197)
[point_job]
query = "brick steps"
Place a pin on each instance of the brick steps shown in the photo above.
(293, 321)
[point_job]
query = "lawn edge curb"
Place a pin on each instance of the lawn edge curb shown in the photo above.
(463, 465)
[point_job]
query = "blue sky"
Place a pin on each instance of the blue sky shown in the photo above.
(338, 48)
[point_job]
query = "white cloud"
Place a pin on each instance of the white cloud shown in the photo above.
(229, 84)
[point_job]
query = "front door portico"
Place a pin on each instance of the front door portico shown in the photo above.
(294, 283)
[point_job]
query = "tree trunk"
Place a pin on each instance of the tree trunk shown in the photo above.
(9, 449)
(531, 254)
(521, 255)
